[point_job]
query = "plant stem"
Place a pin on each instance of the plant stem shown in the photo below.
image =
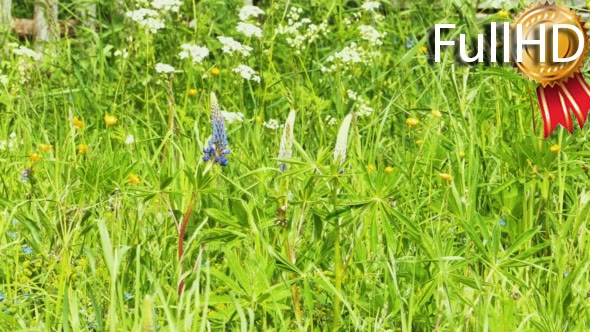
(181, 232)
(337, 262)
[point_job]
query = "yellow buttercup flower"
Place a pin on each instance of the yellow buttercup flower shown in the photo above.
(258, 119)
(215, 71)
(436, 113)
(388, 169)
(192, 92)
(462, 154)
(420, 142)
(82, 148)
(446, 177)
(45, 147)
(134, 178)
(110, 120)
(35, 156)
(423, 49)
(371, 168)
(412, 122)
(79, 124)
(503, 13)
(555, 148)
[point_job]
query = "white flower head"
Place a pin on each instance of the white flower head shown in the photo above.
(249, 29)
(167, 5)
(231, 117)
(250, 11)
(371, 5)
(147, 18)
(25, 51)
(164, 68)
(342, 140)
(130, 139)
(272, 124)
(3, 79)
(231, 46)
(247, 73)
(371, 34)
(197, 53)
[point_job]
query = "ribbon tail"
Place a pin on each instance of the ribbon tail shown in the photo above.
(554, 109)
(577, 94)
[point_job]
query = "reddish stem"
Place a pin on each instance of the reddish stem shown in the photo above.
(181, 232)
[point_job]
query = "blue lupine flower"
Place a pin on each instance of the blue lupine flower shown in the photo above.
(411, 42)
(1, 296)
(502, 222)
(127, 296)
(25, 175)
(464, 240)
(217, 149)
(27, 250)
(13, 235)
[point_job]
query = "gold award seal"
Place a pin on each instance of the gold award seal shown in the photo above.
(549, 73)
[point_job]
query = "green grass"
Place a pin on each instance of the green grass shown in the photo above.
(500, 246)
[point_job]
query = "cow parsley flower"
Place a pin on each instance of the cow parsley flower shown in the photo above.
(249, 29)
(301, 32)
(231, 46)
(25, 51)
(272, 124)
(3, 79)
(167, 5)
(130, 139)
(250, 11)
(371, 35)
(247, 73)
(232, 117)
(370, 5)
(197, 53)
(350, 55)
(217, 149)
(164, 68)
(122, 53)
(147, 18)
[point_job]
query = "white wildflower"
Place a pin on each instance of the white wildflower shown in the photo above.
(250, 11)
(351, 55)
(364, 110)
(299, 31)
(130, 139)
(351, 94)
(164, 68)
(147, 18)
(342, 140)
(25, 51)
(232, 117)
(167, 5)
(371, 5)
(272, 124)
(122, 53)
(231, 46)
(330, 120)
(249, 29)
(247, 73)
(371, 35)
(286, 147)
(3, 79)
(197, 53)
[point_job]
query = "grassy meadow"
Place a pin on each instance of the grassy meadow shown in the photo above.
(397, 196)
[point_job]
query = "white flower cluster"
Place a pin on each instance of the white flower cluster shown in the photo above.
(247, 73)
(249, 30)
(25, 51)
(330, 120)
(272, 124)
(147, 18)
(167, 5)
(350, 55)
(363, 106)
(371, 35)
(122, 53)
(130, 139)
(250, 11)
(9, 144)
(231, 46)
(164, 68)
(197, 53)
(301, 32)
(231, 117)
(371, 5)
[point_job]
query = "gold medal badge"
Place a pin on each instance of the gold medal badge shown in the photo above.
(561, 85)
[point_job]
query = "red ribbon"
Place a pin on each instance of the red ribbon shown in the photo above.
(557, 101)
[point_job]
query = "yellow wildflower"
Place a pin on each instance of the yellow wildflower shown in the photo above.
(215, 71)
(258, 119)
(82, 148)
(134, 178)
(555, 148)
(34, 156)
(423, 49)
(436, 113)
(462, 154)
(79, 124)
(110, 120)
(192, 92)
(446, 177)
(504, 13)
(388, 169)
(45, 147)
(420, 142)
(371, 168)
(412, 122)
